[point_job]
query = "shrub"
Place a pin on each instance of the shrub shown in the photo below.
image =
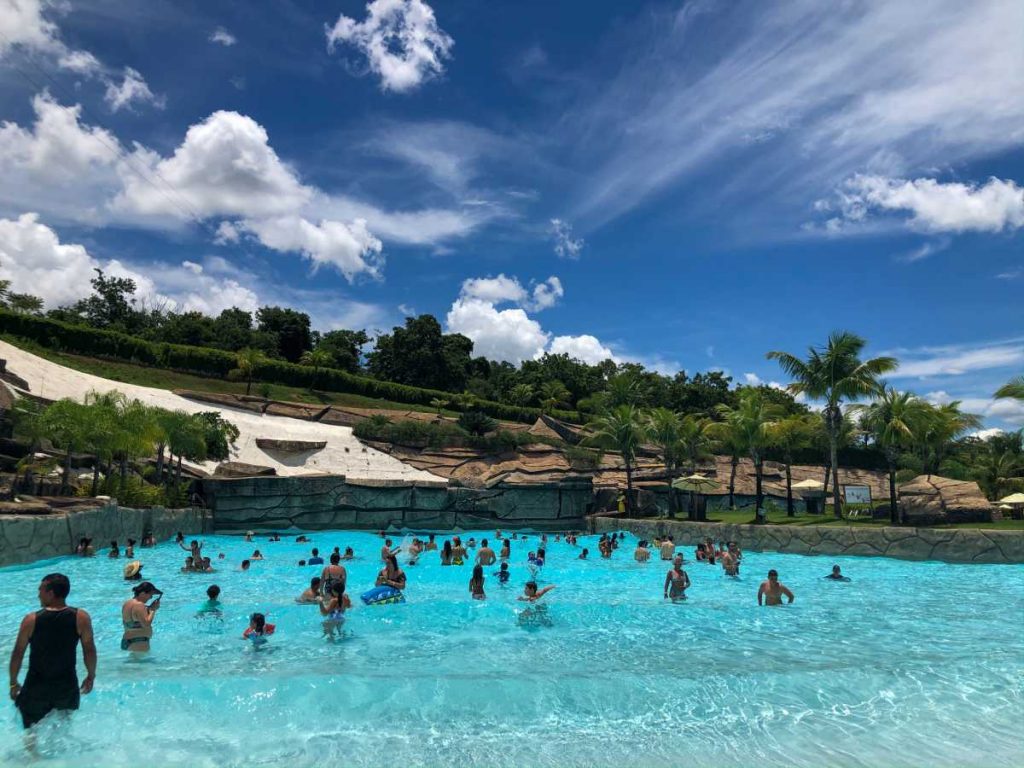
(477, 423)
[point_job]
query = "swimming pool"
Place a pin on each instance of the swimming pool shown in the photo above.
(910, 664)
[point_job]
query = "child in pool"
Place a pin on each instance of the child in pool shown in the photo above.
(212, 604)
(503, 574)
(259, 630)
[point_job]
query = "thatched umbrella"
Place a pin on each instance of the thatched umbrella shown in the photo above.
(1013, 498)
(809, 485)
(697, 484)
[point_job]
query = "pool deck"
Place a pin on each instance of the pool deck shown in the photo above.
(949, 545)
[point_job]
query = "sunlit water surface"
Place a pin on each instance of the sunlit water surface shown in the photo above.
(909, 664)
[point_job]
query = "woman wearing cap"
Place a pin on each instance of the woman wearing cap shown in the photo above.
(138, 617)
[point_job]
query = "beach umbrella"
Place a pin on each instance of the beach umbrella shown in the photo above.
(1013, 498)
(809, 485)
(1005, 506)
(695, 483)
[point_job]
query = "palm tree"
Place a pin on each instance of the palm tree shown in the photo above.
(186, 439)
(944, 424)
(439, 404)
(248, 360)
(835, 374)
(553, 394)
(137, 433)
(622, 430)
(64, 422)
(99, 436)
(317, 359)
(895, 420)
(521, 394)
(752, 421)
(790, 435)
(1013, 388)
(663, 430)
(999, 471)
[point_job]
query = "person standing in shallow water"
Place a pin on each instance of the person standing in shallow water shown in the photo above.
(676, 581)
(772, 590)
(52, 635)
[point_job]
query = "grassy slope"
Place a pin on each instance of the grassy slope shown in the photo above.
(163, 379)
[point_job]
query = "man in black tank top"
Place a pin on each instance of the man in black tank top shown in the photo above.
(52, 634)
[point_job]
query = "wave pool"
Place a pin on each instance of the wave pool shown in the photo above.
(909, 664)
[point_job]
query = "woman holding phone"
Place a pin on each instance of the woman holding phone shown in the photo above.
(137, 614)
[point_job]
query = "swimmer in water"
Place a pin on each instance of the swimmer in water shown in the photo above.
(476, 583)
(583, 554)
(245, 565)
(431, 544)
(335, 572)
(506, 549)
(212, 606)
(349, 554)
(114, 551)
(256, 555)
(837, 575)
(503, 574)
(531, 594)
(312, 593)
(641, 554)
(391, 575)
(772, 590)
(730, 564)
(676, 581)
(485, 555)
(333, 608)
(259, 630)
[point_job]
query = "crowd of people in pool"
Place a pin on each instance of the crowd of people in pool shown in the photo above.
(53, 633)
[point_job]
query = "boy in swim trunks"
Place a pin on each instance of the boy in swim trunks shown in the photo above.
(772, 590)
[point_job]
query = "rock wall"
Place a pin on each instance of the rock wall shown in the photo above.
(324, 502)
(949, 545)
(26, 538)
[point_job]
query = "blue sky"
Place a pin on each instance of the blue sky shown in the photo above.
(687, 185)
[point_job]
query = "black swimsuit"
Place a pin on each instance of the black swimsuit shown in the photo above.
(52, 679)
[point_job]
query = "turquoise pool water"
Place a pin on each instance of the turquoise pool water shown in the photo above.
(910, 664)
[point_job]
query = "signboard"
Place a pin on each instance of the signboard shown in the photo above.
(857, 494)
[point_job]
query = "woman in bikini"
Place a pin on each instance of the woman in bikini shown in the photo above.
(391, 575)
(476, 583)
(137, 618)
(676, 581)
(447, 555)
(333, 608)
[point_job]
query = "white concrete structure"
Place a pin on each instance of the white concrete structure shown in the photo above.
(343, 454)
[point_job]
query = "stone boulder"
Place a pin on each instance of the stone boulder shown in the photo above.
(290, 446)
(241, 469)
(935, 500)
(222, 400)
(296, 410)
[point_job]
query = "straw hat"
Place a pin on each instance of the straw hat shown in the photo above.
(132, 569)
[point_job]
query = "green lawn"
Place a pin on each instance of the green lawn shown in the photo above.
(162, 379)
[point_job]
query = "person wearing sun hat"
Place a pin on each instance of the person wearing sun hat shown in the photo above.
(137, 615)
(133, 571)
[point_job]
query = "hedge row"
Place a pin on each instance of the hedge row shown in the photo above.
(203, 361)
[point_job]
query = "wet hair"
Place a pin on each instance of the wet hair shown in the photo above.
(335, 558)
(586, 551)
(259, 621)
(316, 552)
(338, 590)
(393, 562)
(447, 548)
(504, 566)
(430, 536)
(835, 569)
(145, 586)
(774, 573)
(257, 552)
(348, 550)
(57, 583)
(531, 586)
(213, 592)
(314, 583)
(302, 562)
(483, 543)
(131, 542)
(245, 563)
(478, 572)
(387, 542)
(114, 543)
(507, 543)
(541, 554)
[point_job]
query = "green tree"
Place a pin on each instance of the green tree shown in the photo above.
(232, 329)
(791, 434)
(553, 394)
(894, 420)
(346, 347)
(111, 304)
(835, 374)
(192, 328)
(186, 439)
(100, 432)
(521, 395)
(420, 355)
(751, 423)
(248, 361)
(943, 425)
(316, 359)
(439, 404)
(663, 430)
(620, 429)
(998, 472)
(477, 423)
(1014, 388)
(64, 423)
(290, 328)
(219, 435)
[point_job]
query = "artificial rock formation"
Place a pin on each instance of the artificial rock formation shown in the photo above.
(934, 500)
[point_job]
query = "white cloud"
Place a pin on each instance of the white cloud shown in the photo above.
(407, 310)
(955, 360)
(547, 293)
(586, 348)
(22, 24)
(494, 290)
(132, 90)
(870, 87)
(35, 261)
(986, 434)
(566, 246)
(400, 39)
(348, 247)
(1007, 410)
(82, 62)
(934, 206)
(507, 334)
(752, 379)
(222, 36)
(925, 250)
(1011, 274)
(224, 167)
(227, 233)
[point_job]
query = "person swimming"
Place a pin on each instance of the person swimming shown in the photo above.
(114, 551)
(837, 575)
(312, 593)
(259, 630)
(503, 574)
(506, 549)
(333, 608)
(212, 606)
(476, 583)
(583, 554)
